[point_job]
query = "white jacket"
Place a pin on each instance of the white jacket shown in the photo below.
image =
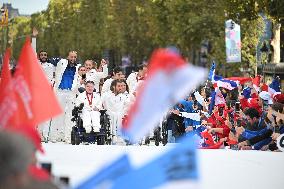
(106, 86)
(114, 103)
(132, 81)
(95, 76)
(60, 68)
(48, 69)
(96, 101)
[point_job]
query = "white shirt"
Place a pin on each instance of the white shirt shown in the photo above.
(96, 102)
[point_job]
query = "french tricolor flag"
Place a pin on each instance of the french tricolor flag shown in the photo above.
(169, 79)
(219, 81)
(274, 87)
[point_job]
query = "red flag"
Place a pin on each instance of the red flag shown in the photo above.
(5, 74)
(8, 105)
(36, 99)
(256, 82)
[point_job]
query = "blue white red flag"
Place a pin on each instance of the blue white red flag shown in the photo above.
(274, 87)
(219, 80)
(170, 79)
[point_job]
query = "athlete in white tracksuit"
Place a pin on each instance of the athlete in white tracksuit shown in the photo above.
(66, 86)
(95, 76)
(92, 104)
(115, 103)
(117, 73)
(49, 71)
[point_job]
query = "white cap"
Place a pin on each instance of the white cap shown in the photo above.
(265, 95)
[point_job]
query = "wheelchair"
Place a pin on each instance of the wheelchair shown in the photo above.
(160, 135)
(79, 134)
(176, 124)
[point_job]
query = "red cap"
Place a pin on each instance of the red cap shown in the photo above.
(264, 87)
(31, 133)
(38, 173)
(253, 102)
(279, 98)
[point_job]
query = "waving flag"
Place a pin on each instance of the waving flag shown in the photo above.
(169, 79)
(212, 72)
(256, 82)
(274, 87)
(227, 84)
(219, 81)
(212, 76)
(177, 168)
(212, 101)
(241, 80)
(35, 98)
(106, 177)
(8, 106)
(216, 99)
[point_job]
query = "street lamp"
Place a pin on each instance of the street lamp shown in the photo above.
(264, 50)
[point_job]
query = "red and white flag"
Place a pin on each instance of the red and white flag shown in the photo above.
(256, 82)
(169, 79)
(35, 98)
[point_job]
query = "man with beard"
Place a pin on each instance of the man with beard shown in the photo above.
(49, 71)
(47, 67)
(66, 86)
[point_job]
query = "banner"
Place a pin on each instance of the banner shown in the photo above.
(233, 41)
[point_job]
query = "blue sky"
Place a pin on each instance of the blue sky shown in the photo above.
(27, 6)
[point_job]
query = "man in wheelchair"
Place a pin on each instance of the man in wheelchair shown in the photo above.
(88, 117)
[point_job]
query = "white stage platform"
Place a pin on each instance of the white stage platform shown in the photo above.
(219, 169)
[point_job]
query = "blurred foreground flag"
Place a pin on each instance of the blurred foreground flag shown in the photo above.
(35, 98)
(8, 105)
(108, 175)
(177, 168)
(169, 79)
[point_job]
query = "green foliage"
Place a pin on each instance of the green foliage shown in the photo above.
(137, 27)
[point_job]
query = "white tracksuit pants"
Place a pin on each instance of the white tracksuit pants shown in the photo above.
(91, 119)
(61, 126)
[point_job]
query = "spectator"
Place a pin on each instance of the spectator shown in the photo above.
(16, 155)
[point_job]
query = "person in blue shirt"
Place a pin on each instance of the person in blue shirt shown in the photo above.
(67, 82)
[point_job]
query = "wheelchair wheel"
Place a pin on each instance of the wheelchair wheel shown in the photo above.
(77, 139)
(147, 140)
(100, 140)
(72, 137)
(164, 141)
